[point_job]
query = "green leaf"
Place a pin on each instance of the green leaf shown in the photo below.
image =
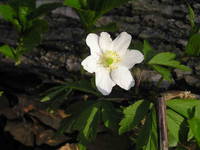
(136, 45)
(87, 17)
(7, 12)
(82, 147)
(23, 13)
(148, 138)
(8, 51)
(86, 122)
(39, 25)
(181, 148)
(44, 9)
(73, 3)
(194, 125)
(17, 25)
(29, 41)
(61, 91)
(53, 94)
(90, 10)
(66, 125)
(16, 4)
(1, 93)
(110, 116)
(111, 27)
(193, 45)
(103, 6)
(99, 6)
(191, 16)
(166, 74)
(133, 115)
(190, 135)
(183, 106)
(32, 37)
(147, 51)
(174, 122)
(167, 59)
(83, 85)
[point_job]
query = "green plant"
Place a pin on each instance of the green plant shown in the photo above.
(90, 11)
(193, 45)
(28, 21)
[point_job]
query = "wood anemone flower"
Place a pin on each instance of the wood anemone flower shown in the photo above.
(111, 60)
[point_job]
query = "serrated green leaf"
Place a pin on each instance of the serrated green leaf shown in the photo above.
(8, 51)
(51, 95)
(7, 12)
(44, 9)
(66, 125)
(191, 16)
(193, 45)
(174, 122)
(194, 125)
(166, 74)
(167, 59)
(83, 85)
(133, 115)
(183, 106)
(153, 138)
(190, 135)
(148, 138)
(110, 116)
(87, 123)
(147, 51)
(61, 91)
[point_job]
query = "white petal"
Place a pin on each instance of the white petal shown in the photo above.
(105, 41)
(121, 43)
(103, 81)
(122, 77)
(92, 40)
(131, 58)
(90, 63)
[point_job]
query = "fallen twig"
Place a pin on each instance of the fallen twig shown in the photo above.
(161, 113)
(162, 124)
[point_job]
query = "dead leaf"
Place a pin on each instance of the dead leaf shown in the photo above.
(62, 114)
(29, 108)
(21, 132)
(69, 147)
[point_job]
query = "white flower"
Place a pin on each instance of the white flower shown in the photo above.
(111, 61)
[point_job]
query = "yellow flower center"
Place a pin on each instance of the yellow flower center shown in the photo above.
(109, 59)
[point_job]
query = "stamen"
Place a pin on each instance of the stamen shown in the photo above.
(109, 59)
